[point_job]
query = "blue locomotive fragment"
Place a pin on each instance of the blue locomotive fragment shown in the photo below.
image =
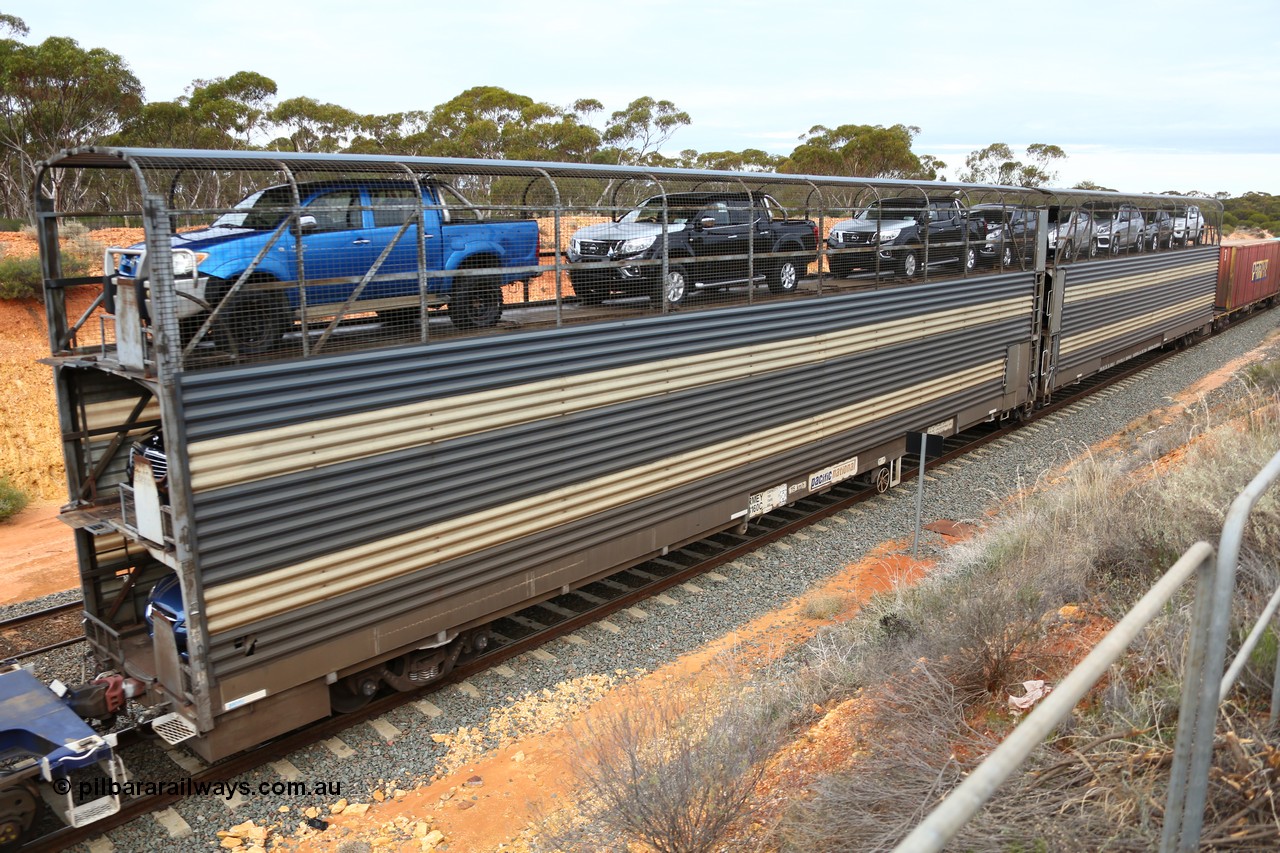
(43, 745)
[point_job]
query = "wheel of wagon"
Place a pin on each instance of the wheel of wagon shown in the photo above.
(785, 277)
(19, 805)
(258, 321)
(352, 693)
(880, 480)
(478, 304)
(676, 290)
(909, 264)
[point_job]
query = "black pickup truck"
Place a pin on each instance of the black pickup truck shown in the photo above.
(714, 239)
(903, 235)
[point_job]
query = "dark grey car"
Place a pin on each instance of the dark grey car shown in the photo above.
(903, 236)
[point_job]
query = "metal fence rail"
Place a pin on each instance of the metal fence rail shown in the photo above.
(1193, 749)
(963, 803)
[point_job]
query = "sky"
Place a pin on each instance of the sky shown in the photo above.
(1142, 96)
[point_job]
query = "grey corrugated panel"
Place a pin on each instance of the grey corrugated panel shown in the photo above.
(104, 401)
(1144, 311)
(926, 413)
(1103, 309)
(342, 502)
(240, 399)
(365, 608)
(933, 358)
(673, 416)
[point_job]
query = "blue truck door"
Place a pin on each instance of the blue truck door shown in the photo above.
(337, 246)
(390, 207)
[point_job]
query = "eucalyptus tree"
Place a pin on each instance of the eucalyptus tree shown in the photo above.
(857, 150)
(56, 95)
(995, 165)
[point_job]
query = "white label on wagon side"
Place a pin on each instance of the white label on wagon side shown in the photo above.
(245, 700)
(769, 499)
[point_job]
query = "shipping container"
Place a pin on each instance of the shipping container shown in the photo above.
(1248, 273)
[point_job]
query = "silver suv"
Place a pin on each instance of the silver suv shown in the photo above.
(1188, 226)
(1124, 229)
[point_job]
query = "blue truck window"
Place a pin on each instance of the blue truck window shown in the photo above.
(391, 207)
(336, 211)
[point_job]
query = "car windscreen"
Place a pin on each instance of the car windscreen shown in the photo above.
(261, 210)
(889, 211)
(651, 211)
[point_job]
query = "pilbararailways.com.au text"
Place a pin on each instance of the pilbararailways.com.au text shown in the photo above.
(101, 787)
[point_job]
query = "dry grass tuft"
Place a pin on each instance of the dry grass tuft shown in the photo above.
(671, 769)
(823, 606)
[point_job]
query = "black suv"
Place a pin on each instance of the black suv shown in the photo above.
(1159, 230)
(715, 239)
(903, 234)
(1010, 237)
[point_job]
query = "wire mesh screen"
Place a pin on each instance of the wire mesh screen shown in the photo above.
(241, 256)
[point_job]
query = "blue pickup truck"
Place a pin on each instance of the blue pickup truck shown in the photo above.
(348, 246)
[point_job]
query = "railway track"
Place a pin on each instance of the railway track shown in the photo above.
(41, 631)
(566, 613)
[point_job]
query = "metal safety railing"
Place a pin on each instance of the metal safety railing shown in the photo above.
(1204, 688)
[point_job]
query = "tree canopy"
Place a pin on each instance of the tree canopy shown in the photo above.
(995, 165)
(860, 150)
(56, 95)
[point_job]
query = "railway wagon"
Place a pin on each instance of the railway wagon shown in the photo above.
(267, 537)
(1248, 274)
(1102, 314)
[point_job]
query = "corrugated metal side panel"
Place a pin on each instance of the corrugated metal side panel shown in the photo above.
(439, 481)
(104, 402)
(1112, 307)
(1248, 272)
(512, 550)
(480, 506)
(234, 401)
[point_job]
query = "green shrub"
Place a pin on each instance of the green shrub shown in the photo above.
(12, 499)
(22, 278)
(7, 224)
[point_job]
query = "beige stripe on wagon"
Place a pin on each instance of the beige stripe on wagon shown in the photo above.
(1141, 281)
(1155, 321)
(278, 451)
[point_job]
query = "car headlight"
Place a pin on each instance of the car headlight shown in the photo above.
(891, 234)
(185, 263)
(574, 246)
(1105, 228)
(636, 244)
